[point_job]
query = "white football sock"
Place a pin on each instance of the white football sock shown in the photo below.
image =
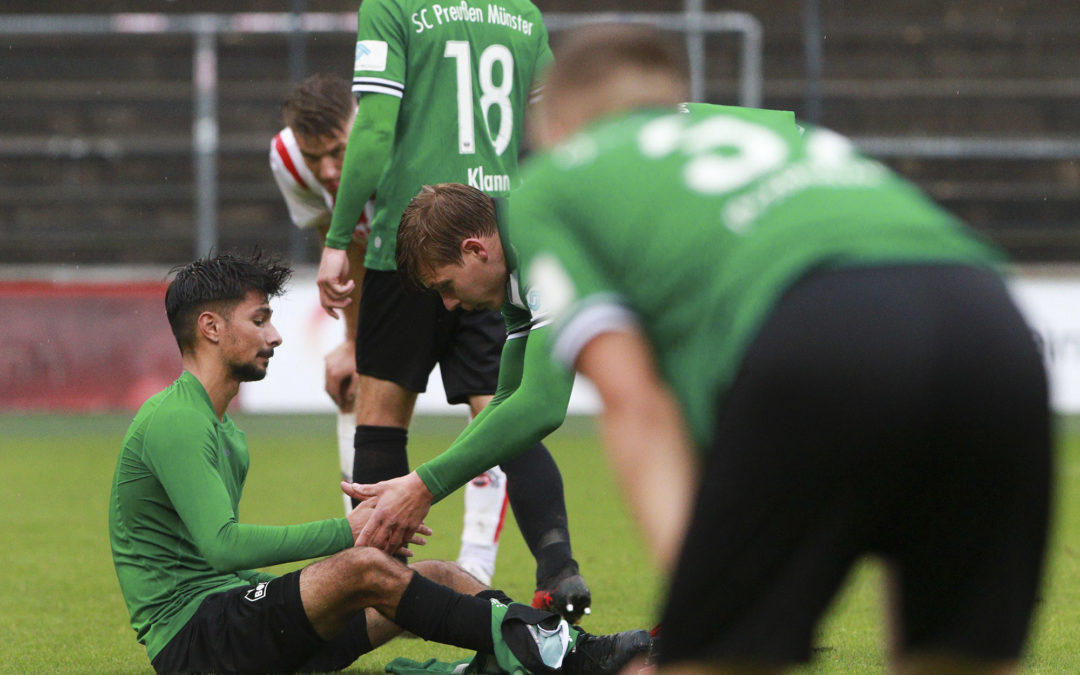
(346, 433)
(485, 510)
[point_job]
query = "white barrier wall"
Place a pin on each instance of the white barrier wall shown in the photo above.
(1052, 308)
(295, 380)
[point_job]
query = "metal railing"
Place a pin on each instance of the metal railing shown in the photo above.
(205, 29)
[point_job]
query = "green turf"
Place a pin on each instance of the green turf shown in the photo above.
(61, 610)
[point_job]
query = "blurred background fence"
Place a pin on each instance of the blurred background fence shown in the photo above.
(138, 134)
(134, 135)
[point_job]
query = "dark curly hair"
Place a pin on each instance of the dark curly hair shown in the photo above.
(219, 283)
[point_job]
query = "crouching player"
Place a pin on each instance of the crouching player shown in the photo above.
(833, 356)
(448, 241)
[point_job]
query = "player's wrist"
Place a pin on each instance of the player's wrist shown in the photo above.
(419, 488)
(432, 486)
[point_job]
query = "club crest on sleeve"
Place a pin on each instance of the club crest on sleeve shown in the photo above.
(370, 55)
(554, 291)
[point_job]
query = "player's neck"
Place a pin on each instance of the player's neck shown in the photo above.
(220, 385)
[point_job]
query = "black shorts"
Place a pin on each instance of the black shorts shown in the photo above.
(899, 412)
(259, 629)
(403, 332)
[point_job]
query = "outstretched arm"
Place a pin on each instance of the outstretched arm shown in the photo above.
(186, 465)
(529, 404)
(369, 147)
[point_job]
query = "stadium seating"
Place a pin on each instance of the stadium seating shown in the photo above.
(95, 145)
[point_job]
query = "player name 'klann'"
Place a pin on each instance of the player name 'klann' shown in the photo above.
(443, 14)
(498, 182)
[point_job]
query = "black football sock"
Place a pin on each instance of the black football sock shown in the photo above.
(380, 454)
(535, 488)
(435, 612)
(438, 613)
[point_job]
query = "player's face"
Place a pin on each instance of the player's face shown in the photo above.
(324, 156)
(250, 338)
(477, 283)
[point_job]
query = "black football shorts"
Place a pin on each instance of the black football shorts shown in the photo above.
(403, 332)
(259, 629)
(899, 412)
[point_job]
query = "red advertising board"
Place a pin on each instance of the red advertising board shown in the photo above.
(83, 346)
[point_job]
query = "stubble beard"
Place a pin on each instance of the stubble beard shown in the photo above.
(250, 371)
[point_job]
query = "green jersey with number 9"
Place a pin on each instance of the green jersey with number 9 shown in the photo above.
(464, 71)
(692, 224)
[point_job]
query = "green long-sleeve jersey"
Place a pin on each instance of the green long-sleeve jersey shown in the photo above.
(174, 514)
(459, 76)
(693, 224)
(529, 403)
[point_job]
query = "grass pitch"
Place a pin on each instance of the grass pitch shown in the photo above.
(61, 610)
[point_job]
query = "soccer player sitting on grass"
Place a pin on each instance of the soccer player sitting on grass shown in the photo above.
(186, 565)
(791, 335)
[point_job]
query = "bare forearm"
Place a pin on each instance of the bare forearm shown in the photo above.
(645, 437)
(356, 273)
(653, 461)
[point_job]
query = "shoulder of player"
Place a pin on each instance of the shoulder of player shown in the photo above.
(174, 413)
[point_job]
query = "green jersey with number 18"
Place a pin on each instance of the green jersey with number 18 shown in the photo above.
(692, 224)
(463, 71)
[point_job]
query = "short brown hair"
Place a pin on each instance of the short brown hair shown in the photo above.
(321, 105)
(600, 69)
(435, 223)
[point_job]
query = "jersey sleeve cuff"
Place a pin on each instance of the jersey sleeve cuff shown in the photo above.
(433, 484)
(345, 534)
(377, 85)
(605, 315)
(337, 241)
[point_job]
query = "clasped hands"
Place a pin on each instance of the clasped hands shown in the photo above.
(391, 513)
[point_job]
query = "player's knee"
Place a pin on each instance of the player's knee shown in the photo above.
(442, 571)
(370, 570)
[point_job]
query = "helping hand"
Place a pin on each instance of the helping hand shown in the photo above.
(363, 513)
(398, 510)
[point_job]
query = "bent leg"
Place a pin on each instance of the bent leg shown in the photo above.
(335, 589)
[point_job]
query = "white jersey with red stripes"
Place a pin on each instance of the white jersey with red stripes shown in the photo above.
(310, 204)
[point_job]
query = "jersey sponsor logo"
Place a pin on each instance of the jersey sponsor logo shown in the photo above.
(257, 593)
(370, 55)
(498, 182)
